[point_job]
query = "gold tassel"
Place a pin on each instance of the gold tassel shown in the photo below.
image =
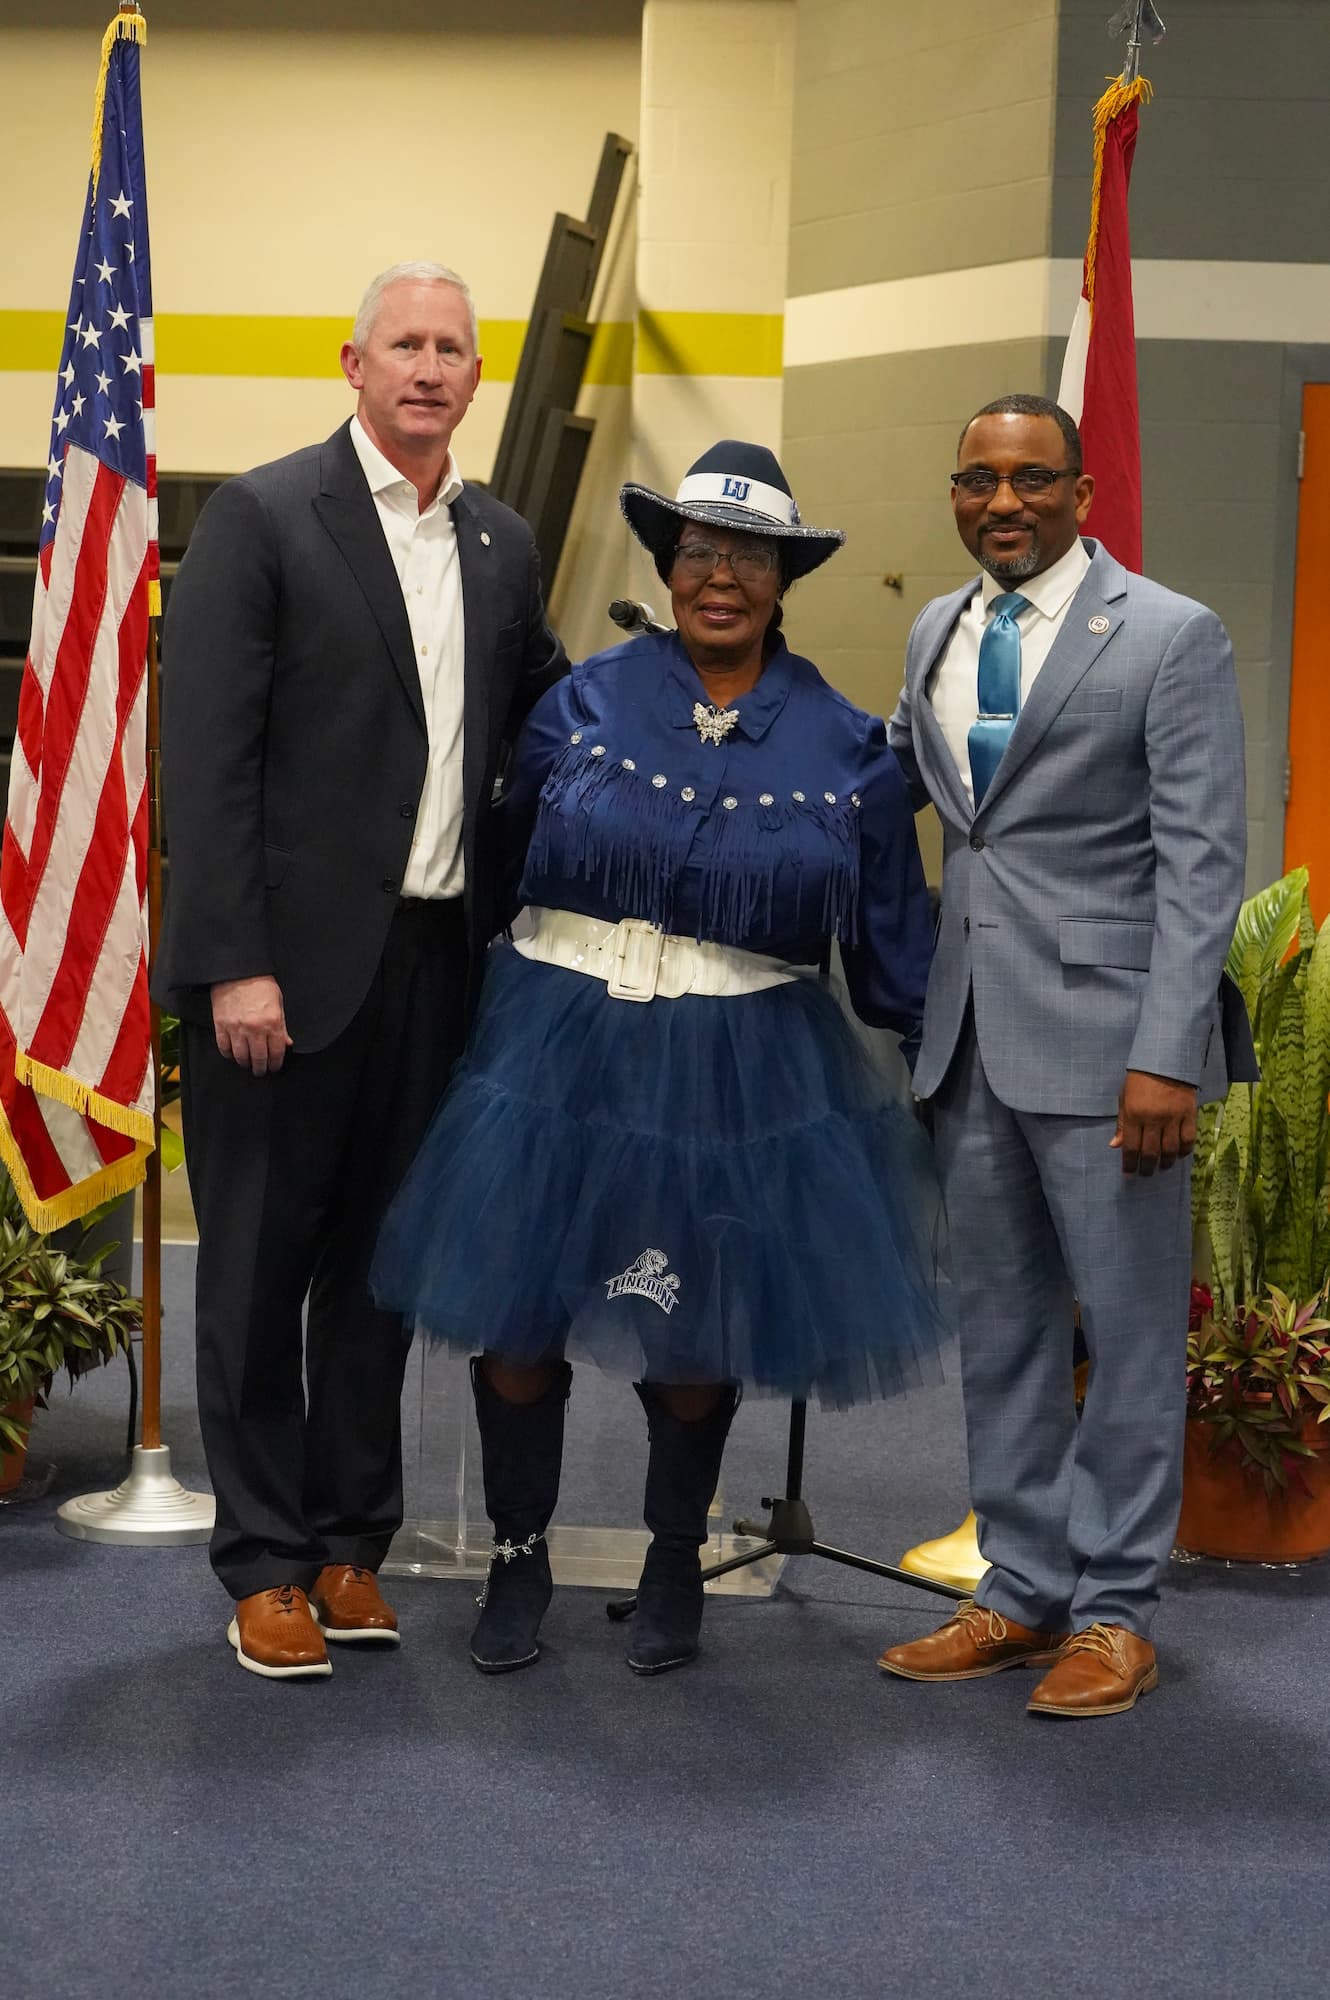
(81, 1097)
(1115, 100)
(128, 26)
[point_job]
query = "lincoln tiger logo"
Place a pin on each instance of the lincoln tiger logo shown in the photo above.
(649, 1279)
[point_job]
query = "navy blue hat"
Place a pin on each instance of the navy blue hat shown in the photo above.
(733, 485)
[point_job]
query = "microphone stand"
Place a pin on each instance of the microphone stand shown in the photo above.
(790, 1532)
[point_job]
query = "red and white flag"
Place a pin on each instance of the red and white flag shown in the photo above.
(1098, 387)
(76, 1085)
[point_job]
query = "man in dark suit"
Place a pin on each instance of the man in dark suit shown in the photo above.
(352, 640)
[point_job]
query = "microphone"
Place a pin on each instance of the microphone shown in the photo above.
(633, 617)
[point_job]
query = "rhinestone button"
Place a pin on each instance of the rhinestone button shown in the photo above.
(798, 798)
(598, 749)
(688, 794)
(729, 802)
(766, 799)
(576, 736)
(628, 764)
(855, 799)
(830, 798)
(659, 780)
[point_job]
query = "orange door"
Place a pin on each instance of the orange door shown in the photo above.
(1307, 819)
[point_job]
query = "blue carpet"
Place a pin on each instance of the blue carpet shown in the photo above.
(777, 1820)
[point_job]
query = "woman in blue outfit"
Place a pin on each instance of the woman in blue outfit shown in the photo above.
(664, 1147)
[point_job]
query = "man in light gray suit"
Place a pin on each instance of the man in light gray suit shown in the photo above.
(1078, 729)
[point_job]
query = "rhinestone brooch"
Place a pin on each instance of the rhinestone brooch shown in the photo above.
(714, 724)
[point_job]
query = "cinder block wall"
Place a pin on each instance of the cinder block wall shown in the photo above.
(939, 204)
(923, 140)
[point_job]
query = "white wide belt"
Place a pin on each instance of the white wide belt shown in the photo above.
(638, 961)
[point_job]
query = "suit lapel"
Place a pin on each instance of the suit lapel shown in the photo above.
(1098, 602)
(346, 508)
(936, 763)
(478, 562)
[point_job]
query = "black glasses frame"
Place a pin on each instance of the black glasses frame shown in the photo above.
(1045, 479)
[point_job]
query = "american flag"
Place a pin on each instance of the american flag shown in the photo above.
(76, 1088)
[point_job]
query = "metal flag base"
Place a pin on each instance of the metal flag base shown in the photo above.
(151, 1509)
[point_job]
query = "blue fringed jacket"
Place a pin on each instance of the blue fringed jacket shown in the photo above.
(795, 830)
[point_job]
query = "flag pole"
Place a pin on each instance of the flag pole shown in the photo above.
(150, 1508)
(151, 1370)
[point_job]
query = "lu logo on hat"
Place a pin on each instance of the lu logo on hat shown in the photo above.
(732, 485)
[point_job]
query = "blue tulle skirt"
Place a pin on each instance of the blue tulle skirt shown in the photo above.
(691, 1190)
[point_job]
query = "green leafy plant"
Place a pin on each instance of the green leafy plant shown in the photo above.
(1258, 1364)
(56, 1312)
(1261, 1176)
(1260, 1380)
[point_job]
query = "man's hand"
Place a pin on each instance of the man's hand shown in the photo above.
(1156, 1122)
(249, 1022)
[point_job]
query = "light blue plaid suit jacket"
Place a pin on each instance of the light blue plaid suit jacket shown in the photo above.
(1088, 905)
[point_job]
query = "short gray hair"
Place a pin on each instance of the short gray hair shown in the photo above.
(422, 274)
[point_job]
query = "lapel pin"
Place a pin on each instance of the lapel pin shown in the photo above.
(484, 536)
(1100, 624)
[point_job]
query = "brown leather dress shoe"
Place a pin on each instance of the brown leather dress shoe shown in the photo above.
(274, 1635)
(1100, 1671)
(349, 1605)
(974, 1641)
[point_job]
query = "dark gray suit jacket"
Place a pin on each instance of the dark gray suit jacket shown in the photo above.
(293, 732)
(1088, 905)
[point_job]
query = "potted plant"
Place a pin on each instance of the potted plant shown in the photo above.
(56, 1311)
(1256, 1481)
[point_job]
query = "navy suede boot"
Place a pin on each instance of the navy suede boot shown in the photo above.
(682, 1470)
(521, 1449)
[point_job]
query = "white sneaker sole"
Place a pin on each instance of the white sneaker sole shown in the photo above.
(374, 1634)
(317, 1670)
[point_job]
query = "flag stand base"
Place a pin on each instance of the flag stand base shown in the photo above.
(151, 1509)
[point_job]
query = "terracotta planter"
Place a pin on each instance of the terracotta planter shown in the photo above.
(1227, 1512)
(12, 1462)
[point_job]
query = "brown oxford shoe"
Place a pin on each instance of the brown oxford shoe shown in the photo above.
(1100, 1671)
(348, 1604)
(274, 1635)
(974, 1641)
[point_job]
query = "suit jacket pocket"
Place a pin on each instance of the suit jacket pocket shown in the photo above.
(276, 861)
(1105, 941)
(1094, 701)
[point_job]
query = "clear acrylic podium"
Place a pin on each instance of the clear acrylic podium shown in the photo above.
(596, 1538)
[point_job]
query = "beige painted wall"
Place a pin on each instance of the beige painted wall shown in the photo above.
(713, 223)
(286, 168)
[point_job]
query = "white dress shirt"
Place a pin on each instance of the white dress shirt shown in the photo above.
(953, 685)
(423, 547)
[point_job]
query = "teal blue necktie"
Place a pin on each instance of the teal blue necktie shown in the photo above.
(999, 689)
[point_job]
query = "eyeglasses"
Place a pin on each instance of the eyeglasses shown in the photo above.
(1028, 482)
(748, 565)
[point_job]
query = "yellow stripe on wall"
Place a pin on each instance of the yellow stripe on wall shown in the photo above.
(283, 346)
(697, 343)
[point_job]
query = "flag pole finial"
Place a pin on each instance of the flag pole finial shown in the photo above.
(1135, 20)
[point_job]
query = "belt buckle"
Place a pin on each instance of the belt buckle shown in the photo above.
(637, 949)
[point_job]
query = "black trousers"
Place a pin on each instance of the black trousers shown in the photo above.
(291, 1175)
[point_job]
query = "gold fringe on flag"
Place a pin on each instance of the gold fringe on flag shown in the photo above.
(81, 1097)
(129, 25)
(1116, 99)
(74, 1202)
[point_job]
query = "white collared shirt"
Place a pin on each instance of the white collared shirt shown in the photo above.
(423, 547)
(953, 685)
